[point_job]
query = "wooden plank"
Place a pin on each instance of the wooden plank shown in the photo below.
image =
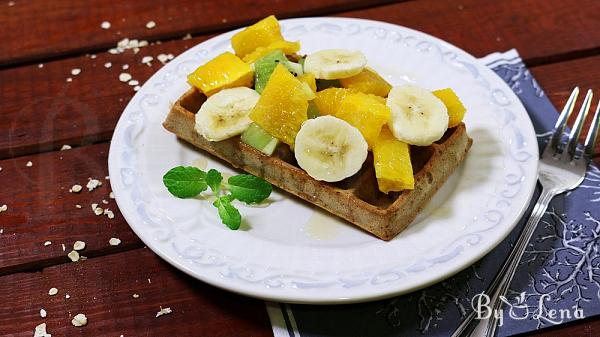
(559, 79)
(542, 31)
(40, 209)
(102, 289)
(34, 30)
(587, 327)
(41, 111)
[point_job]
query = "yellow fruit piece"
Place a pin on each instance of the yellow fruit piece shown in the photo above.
(393, 167)
(310, 80)
(328, 101)
(456, 110)
(260, 34)
(287, 47)
(366, 113)
(282, 106)
(224, 71)
(367, 81)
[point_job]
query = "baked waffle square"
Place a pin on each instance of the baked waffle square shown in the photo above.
(356, 199)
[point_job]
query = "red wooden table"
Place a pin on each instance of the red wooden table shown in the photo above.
(44, 105)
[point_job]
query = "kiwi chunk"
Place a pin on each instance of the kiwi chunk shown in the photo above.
(264, 67)
(259, 139)
(313, 111)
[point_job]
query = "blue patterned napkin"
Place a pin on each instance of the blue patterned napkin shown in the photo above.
(560, 269)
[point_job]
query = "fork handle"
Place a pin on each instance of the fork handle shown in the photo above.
(499, 287)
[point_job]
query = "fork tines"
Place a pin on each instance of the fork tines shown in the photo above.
(557, 146)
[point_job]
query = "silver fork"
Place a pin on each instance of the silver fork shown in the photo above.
(562, 167)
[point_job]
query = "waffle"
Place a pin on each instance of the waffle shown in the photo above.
(356, 199)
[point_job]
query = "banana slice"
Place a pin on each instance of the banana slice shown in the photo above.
(418, 117)
(333, 64)
(329, 148)
(225, 114)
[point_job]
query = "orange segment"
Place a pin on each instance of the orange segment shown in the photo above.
(310, 80)
(260, 34)
(282, 106)
(456, 110)
(366, 113)
(224, 71)
(328, 101)
(393, 167)
(367, 81)
(287, 47)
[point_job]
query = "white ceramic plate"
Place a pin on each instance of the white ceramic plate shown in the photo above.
(290, 251)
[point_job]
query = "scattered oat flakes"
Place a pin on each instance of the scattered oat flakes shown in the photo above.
(73, 255)
(104, 201)
(29, 164)
(42, 313)
(79, 245)
(41, 65)
(149, 281)
(111, 195)
(136, 296)
(105, 25)
(188, 36)
(93, 183)
(1, 230)
(107, 65)
(150, 24)
(75, 71)
(40, 331)
(67, 296)
(52, 291)
(133, 82)
(124, 77)
(47, 243)
(94, 206)
(170, 57)
(93, 56)
(78, 206)
(114, 242)
(125, 66)
(69, 79)
(107, 177)
(65, 147)
(98, 211)
(136, 88)
(147, 59)
(79, 320)
(75, 188)
(164, 311)
(64, 247)
(163, 58)
(3, 208)
(109, 213)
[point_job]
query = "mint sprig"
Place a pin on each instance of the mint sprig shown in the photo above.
(188, 182)
(185, 182)
(230, 216)
(248, 188)
(213, 179)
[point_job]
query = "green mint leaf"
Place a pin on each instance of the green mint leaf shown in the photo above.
(213, 179)
(248, 188)
(185, 182)
(230, 216)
